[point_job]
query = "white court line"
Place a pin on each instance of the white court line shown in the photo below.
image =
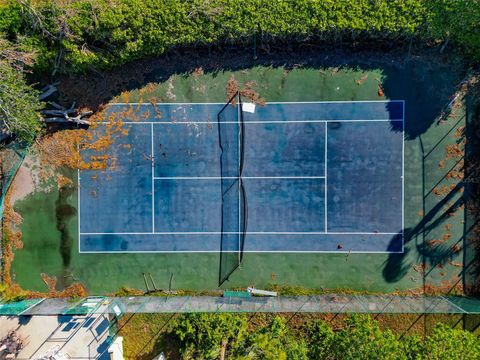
(165, 103)
(325, 196)
(236, 232)
(245, 251)
(234, 177)
(78, 207)
(306, 121)
(403, 175)
(258, 122)
(267, 103)
(153, 183)
(333, 102)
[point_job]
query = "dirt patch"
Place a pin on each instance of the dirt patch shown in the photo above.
(22, 185)
(25, 181)
(93, 90)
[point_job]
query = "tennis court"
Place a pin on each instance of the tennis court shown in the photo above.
(284, 177)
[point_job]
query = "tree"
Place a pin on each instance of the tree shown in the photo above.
(412, 346)
(202, 336)
(446, 343)
(19, 103)
(320, 339)
(210, 336)
(274, 342)
(361, 338)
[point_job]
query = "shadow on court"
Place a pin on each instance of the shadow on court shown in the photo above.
(424, 84)
(455, 196)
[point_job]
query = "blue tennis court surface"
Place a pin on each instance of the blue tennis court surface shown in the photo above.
(317, 177)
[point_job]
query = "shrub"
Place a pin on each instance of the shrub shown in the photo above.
(19, 104)
(202, 335)
(108, 33)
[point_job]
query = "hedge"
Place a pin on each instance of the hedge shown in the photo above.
(201, 336)
(108, 33)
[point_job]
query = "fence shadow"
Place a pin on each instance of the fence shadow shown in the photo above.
(463, 194)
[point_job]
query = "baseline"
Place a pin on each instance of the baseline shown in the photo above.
(308, 243)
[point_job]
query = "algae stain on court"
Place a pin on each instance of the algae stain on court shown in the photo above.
(48, 227)
(64, 212)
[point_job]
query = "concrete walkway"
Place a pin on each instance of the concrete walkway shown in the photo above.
(76, 337)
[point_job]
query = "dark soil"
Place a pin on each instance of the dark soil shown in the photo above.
(95, 88)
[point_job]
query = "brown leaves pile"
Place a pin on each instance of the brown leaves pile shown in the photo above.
(451, 286)
(361, 80)
(247, 91)
(11, 238)
(63, 149)
(75, 290)
(67, 149)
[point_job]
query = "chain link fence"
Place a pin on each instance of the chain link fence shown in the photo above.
(11, 157)
(373, 304)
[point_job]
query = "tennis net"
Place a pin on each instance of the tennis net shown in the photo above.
(234, 209)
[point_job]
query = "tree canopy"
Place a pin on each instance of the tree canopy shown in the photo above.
(19, 102)
(107, 33)
(201, 336)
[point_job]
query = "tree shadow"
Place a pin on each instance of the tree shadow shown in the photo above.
(396, 267)
(464, 195)
(424, 82)
(471, 254)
